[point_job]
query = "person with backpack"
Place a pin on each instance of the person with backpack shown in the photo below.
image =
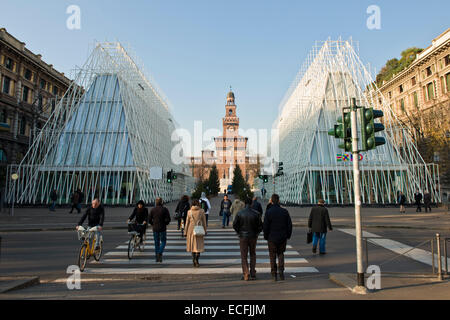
(181, 211)
(75, 201)
(205, 205)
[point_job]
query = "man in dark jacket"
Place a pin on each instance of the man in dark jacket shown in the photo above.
(75, 201)
(318, 222)
(225, 211)
(427, 200)
(96, 217)
(257, 206)
(159, 218)
(277, 230)
(53, 199)
(418, 199)
(248, 226)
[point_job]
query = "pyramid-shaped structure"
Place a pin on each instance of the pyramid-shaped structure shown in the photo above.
(111, 127)
(314, 166)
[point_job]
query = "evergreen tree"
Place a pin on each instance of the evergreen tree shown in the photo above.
(213, 181)
(201, 187)
(239, 186)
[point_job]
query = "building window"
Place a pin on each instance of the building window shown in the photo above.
(40, 102)
(22, 126)
(416, 100)
(9, 63)
(402, 105)
(429, 73)
(55, 90)
(390, 94)
(28, 74)
(25, 93)
(447, 79)
(413, 81)
(3, 116)
(400, 88)
(6, 84)
(42, 84)
(430, 91)
(3, 158)
(447, 60)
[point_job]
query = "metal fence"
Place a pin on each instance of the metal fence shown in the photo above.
(439, 253)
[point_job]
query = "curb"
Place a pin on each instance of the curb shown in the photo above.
(15, 283)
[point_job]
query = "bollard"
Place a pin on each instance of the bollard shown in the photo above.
(438, 243)
(432, 254)
(445, 255)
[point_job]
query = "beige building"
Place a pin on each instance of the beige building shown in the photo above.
(420, 97)
(29, 89)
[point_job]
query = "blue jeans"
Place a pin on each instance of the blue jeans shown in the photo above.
(52, 206)
(322, 237)
(225, 219)
(160, 241)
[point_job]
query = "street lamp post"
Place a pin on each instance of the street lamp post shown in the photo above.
(14, 177)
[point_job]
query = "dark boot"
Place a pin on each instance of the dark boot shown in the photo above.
(281, 275)
(274, 277)
(197, 256)
(194, 260)
(160, 257)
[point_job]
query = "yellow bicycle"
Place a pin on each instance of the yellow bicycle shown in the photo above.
(88, 247)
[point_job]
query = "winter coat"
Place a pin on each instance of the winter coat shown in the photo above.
(159, 218)
(183, 207)
(141, 215)
(226, 204)
(247, 223)
(257, 207)
(402, 200)
(319, 220)
(53, 196)
(427, 198)
(418, 197)
(237, 206)
(277, 225)
(195, 243)
(95, 217)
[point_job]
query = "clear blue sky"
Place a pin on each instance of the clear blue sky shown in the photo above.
(196, 49)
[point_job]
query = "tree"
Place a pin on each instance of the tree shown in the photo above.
(239, 186)
(201, 187)
(213, 181)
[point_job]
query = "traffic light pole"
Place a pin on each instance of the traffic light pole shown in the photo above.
(360, 288)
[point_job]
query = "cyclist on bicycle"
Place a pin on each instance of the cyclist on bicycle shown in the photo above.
(96, 217)
(140, 214)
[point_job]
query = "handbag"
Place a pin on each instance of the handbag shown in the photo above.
(309, 237)
(199, 230)
(178, 215)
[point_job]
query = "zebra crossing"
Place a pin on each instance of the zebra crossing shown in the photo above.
(222, 255)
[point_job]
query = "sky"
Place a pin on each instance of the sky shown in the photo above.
(195, 50)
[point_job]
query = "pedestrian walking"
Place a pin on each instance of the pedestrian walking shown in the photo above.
(181, 211)
(205, 205)
(195, 243)
(237, 206)
(75, 199)
(96, 217)
(140, 217)
(418, 199)
(269, 204)
(53, 199)
(402, 201)
(277, 230)
(248, 226)
(159, 218)
(427, 200)
(318, 222)
(257, 206)
(225, 211)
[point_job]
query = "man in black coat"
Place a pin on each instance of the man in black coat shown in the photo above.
(159, 218)
(318, 222)
(96, 217)
(418, 199)
(427, 200)
(277, 230)
(248, 226)
(257, 206)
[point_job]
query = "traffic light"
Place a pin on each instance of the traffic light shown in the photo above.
(265, 178)
(169, 176)
(174, 175)
(343, 130)
(280, 169)
(369, 127)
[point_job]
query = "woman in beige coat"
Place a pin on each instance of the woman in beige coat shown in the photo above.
(195, 244)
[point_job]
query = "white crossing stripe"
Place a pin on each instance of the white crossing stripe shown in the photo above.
(206, 242)
(187, 254)
(201, 271)
(189, 261)
(400, 248)
(236, 247)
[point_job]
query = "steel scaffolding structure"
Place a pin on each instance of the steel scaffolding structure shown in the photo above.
(314, 166)
(110, 128)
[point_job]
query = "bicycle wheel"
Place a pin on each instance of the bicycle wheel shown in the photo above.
(82, 257)
(98, 252)
(142, 245)
(131, 246)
